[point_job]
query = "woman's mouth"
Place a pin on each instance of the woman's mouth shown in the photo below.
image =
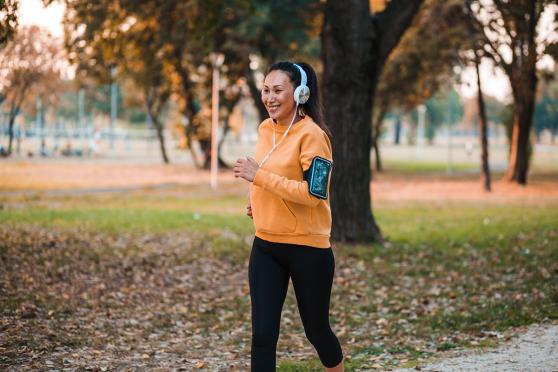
(273, 108)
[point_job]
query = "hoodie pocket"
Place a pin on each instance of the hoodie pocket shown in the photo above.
(275, 217)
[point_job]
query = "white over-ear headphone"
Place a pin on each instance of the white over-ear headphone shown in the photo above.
(301, 95)
(302, 92)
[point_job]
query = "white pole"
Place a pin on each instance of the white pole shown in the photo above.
(214, 126)
(217, 60)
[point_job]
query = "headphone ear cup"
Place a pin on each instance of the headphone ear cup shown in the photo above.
(301, 94)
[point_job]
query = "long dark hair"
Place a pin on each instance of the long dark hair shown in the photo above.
(313, 106)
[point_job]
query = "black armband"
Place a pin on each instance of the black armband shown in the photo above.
(317, 177)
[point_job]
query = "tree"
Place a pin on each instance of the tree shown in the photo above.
(511, 41)
(422, 62)
(160, 45)
(444, 108)
(8, 20)
(355, 47)
(31, 60)
(483, 124)
(146, 69)
(103, 35)
(183, 34)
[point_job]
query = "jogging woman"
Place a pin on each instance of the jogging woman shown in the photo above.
(289, 204)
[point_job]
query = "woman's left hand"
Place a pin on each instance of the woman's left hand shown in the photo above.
(246, 168)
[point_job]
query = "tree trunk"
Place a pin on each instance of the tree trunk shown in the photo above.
(355, 46)
(188, 106)
(377, 156)
(13, 113)
(10, 134)
(519, 152)
(523, 80)
(190, 137)
(485, 170)
(43, 137)
(413, 129)
(160, 137)
(348, 32)
(377, 129)
(206, 154)
(154, 116)
(397, 139)
(524, 99)
(226, 128)
(205, 146)
(153, 105)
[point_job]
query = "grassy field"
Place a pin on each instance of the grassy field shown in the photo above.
(157, 279)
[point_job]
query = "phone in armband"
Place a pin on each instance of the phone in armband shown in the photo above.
(317, 176)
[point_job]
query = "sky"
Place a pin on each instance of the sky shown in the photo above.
(33, 12)
(495, 83)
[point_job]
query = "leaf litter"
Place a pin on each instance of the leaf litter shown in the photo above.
(73, 298)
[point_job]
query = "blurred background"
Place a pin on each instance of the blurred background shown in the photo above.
(131, 82)
(123, 239)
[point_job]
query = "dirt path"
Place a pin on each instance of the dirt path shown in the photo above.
(70, 178)
(535, 350)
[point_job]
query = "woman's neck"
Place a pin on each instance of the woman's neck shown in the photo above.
(286, 121)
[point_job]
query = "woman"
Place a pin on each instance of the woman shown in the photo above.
(289, 204)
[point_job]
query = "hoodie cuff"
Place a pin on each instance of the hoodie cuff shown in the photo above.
(259, 178)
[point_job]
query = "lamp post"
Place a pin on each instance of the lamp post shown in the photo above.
(217, 60)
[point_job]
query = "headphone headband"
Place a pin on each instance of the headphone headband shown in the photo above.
(303, 78)
(302, 92)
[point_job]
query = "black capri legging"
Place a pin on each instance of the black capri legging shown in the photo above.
(311, 270)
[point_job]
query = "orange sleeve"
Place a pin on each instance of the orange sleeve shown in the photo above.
(293, 190)
(290, 190)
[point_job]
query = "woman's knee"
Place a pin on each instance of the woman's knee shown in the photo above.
(319, 333)
(265, 336)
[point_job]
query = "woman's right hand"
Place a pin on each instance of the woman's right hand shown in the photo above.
(249, 211)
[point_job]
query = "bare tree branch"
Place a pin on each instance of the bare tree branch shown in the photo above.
(491, 48)
(392, 23)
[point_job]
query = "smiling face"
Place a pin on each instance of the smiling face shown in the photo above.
(277, 96)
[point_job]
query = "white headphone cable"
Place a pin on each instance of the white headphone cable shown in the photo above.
(282, 138)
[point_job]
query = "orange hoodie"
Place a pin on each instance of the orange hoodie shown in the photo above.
(283, 210)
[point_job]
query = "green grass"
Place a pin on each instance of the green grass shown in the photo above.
(132, 219)
(457, 223)
(498, 316)
(450, 271)
(417, 223)
(427, 167)
(312, 365)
